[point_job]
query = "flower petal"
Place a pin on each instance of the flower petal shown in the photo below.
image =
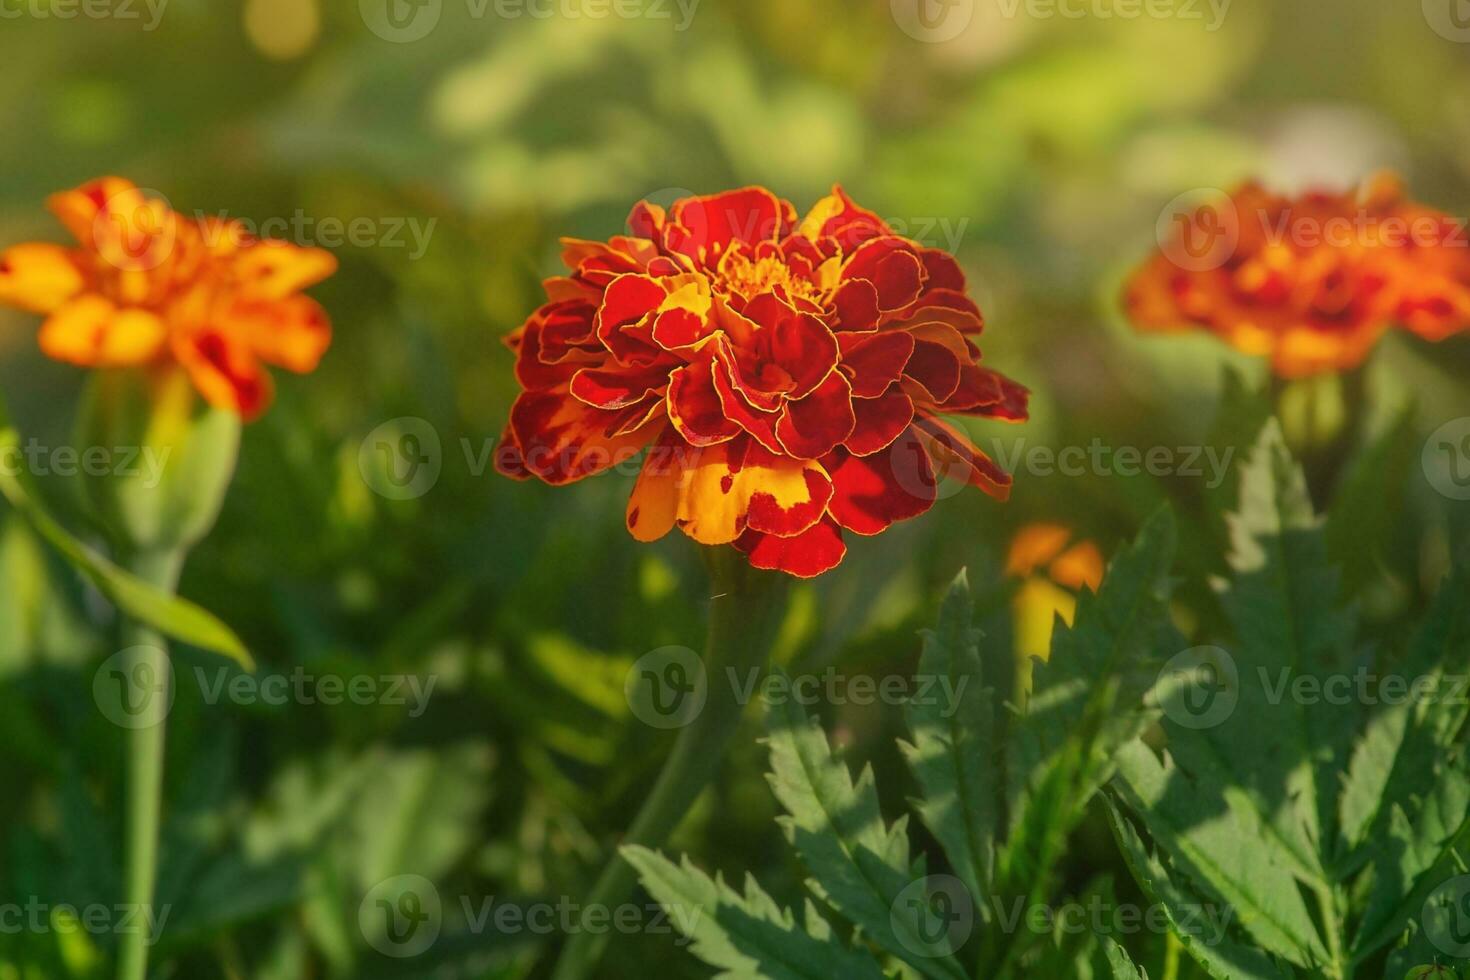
(694, 405)
(226, 372)
(806, 555)
(872, 492)
(728, 487)
(563, 440)
(813, 426)
(957, 456)
(880, 421)
(875, 361)
(274, 269)
(38, 277)
(92, 332)
(292, 333)
(703, 228)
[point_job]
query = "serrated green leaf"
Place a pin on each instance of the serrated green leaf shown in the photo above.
(1365, 507)
(1403, 741)
(174, 617)
(1415, 857)
(1123, 968)
(1220, 846)
(746, 937)
(1207, 942)
(859, 864)
(954, 754)
(1088, 700)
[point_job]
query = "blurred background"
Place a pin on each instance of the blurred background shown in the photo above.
(440, 149)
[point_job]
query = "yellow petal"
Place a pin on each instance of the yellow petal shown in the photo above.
(90, 331)
(38, 277)
(275, 270)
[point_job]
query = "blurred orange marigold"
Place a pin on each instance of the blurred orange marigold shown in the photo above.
(1312, 282)
(788, 375)
(146, 285)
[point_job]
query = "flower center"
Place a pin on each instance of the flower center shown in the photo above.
(752, 277)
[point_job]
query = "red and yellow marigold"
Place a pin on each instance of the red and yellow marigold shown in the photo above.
(1311, 282)
(146, 286)
(786, 375)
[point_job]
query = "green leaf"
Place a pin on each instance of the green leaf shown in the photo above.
(1413, 858)
(1366, 508)
(860, 865)
(954, 753)
(1396, 755)
(1088, 700)
(1123, 968)
(174, 617)
(1201, 927)
(1219, 844)
(746, 936)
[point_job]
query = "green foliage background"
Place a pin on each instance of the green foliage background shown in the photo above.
(1040, 149)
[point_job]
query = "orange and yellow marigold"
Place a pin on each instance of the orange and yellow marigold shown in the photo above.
(786, 374)
(1311, 282)
(145, 285)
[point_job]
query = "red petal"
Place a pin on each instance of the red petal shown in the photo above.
(936, 367)
(563, 440)
(880, 421)
(875, 361)
(739, 409)
(616, 389)
(812, 427)
(767, 514)
(957, 456)
(805, 556)
(704, 227)
(694, 405)
(891, 265)
(647, 220)
(872, 492)
(990, 394)
(943, 271)
(856, 304)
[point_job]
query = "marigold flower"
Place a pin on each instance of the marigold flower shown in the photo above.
(1052, 570)
(147, 286)
(787, 374)
(1312, 282)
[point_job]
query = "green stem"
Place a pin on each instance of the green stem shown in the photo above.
(745, 612)
(146, 658)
